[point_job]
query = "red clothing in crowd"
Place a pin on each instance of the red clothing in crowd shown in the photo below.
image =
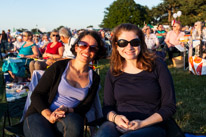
(53, 50)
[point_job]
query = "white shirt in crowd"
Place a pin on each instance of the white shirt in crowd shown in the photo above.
(151, 41)
(18, 44)
(67, 52)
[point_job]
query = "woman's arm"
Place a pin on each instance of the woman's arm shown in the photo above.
(137, 124)
(109, 106)
(43, 90)
(34, 55)
(167, 40)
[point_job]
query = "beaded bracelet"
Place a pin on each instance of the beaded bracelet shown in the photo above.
(113, 118)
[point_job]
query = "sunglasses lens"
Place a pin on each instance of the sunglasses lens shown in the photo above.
(55, 35)
(82, 45)
(135, 42)
(122, 43)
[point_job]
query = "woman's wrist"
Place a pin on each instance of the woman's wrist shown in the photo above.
(113, 119)
(70, 110)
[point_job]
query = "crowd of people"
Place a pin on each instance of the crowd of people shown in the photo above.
(138, 90)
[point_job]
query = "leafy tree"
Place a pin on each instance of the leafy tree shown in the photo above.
(171, 6)
(90, 26)
(21, 30)
(36, 31)
(192, 11)
(124, 11)
(158, 14)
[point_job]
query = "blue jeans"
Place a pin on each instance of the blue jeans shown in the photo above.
(108, 129)
(36, 125)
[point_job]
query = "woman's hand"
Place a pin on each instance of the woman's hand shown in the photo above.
(22, 55)
(53, 117)
(47, 55)
(58, 113)
(121, 121)
(135, 124)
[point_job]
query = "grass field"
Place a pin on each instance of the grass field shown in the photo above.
(190, 94)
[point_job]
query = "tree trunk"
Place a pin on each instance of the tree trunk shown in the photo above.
(169, 16)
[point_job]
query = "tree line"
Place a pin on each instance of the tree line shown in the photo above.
(128, 11)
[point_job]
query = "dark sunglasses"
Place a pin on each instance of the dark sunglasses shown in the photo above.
(55, 35)
(134, 43)
(83, 45)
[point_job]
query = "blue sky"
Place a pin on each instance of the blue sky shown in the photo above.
(50, 14)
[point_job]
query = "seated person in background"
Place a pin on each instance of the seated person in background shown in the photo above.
(53, 51)
(27, 50)
(151, 40)
(161, 34)
(139, 92)
(45, 41)
(66, 92)
(172, 39)
(196, 35)
(18, 43)
(67, 39)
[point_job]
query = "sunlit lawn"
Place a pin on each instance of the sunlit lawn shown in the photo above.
(190, 94)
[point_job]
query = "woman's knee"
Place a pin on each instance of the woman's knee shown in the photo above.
(108, 129)
(151, 131)
(72, 124)
(36, 123)
(37, 65)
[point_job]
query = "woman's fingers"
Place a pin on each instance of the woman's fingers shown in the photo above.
(121, 121)
(125, 120)
(133, 125)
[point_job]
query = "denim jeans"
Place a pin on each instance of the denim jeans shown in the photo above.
(36, 125)
(108, 129)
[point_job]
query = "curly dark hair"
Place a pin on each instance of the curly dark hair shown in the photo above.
(101, 53)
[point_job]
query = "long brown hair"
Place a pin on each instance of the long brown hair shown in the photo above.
(145, 59)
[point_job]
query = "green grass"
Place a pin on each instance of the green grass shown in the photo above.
(190, 95)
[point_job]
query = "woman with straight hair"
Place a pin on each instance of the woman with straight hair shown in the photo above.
(138, 93)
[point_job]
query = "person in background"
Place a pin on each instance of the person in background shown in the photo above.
(9, 46)
(196, 35)
(45, 41)
(161, 34)
(18, 43)
(173, 38)
(4, 41)
(53, 51)
(36, 40)
(151, 40)
(66, 92)
(139, 92)
(27, 51)
(66, 37)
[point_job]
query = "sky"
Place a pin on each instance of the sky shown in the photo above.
(50, 14)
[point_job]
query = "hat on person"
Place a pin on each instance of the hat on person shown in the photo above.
(19, 37)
